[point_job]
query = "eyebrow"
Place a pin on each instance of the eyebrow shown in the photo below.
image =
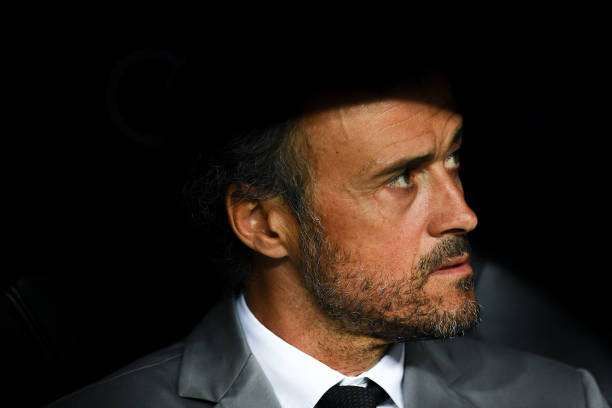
(413, 163)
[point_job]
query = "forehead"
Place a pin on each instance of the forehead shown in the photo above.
(358, 137)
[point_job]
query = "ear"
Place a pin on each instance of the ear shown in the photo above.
(262, 225)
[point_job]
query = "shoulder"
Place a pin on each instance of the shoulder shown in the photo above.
(149, 381)
(484, 369)
(491, 357)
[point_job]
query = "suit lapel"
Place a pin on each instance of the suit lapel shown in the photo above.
(428, 376)
(218, 365)
(251, 389)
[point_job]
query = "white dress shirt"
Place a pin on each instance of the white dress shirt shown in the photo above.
(299, 380)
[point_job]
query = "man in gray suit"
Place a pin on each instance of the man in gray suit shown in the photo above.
(349, 224)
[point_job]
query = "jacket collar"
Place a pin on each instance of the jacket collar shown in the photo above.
(218, 365)
(429, 374)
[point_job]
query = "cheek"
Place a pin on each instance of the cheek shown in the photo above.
(378, 233)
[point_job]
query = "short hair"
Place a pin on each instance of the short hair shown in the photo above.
(263, 163)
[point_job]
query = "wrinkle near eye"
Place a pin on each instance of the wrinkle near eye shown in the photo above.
(377, 202)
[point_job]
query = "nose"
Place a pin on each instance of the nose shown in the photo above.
(450, 214)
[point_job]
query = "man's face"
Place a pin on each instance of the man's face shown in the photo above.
(388, 212)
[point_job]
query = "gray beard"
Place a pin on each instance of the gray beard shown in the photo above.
(394, 311)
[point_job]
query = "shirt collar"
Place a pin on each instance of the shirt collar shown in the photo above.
(300, 380)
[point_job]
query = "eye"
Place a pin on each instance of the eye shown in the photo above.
(452, 161)
(401, 181)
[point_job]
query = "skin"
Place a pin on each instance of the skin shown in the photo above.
(386, 223)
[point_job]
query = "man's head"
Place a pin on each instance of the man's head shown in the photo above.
(370, 211)
(387, 210)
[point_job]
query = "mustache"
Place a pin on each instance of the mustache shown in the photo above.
(446, 249)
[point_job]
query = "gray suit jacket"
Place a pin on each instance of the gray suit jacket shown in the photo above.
(214, 367)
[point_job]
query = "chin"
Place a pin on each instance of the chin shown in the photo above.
(458, 300)
(451, 299)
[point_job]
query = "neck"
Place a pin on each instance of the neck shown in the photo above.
(278, 299)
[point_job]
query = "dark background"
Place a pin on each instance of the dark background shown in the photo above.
(106, 133)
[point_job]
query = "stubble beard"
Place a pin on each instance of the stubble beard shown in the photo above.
(359, 299)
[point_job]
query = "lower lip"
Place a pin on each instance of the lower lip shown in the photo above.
(463, 268)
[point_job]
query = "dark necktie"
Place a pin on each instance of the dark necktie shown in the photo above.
(345, 396)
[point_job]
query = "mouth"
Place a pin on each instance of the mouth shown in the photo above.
(457, 265)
